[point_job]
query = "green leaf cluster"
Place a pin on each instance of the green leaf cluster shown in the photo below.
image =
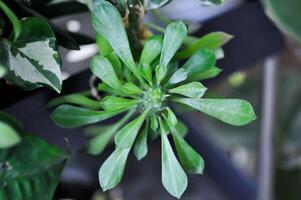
(146, 90)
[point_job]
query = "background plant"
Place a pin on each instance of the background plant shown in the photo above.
(146, 89)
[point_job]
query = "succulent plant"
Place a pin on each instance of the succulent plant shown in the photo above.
(145, 91)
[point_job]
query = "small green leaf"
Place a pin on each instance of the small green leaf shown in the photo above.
(103, 45)
(154, 4)
(71, 116)
(181, 128)
(146, 72)
(32, 60)
(11, 120)
(103, 137)
(151, 49)
(179, 76)
(175, 34)
(127, 135)
(193, 90)
(199, 63)
(161, 71)
(13, 19)
(115, 61)
(108, 23)
(191, 161)
(102, 68)
(154, 123)
(130, 88)
(111, 171)
(232, 111)
(140, 148)
(113, 103)
(211, 2)
(174, 178)
(212, 41)
(172, 119)
(8, 136)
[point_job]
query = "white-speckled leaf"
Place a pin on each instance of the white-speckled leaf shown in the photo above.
(32, 61)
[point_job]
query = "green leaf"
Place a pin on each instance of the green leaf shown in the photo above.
(114, 60)
(11, 121)
(111, 171)
(174, 178)
(140, 148)
(285, 14)
(31, 170)
(179, 76)
(8, 136)
(146, 72)
(130, 88)
(127, 135)
(154, 4)
(81, 100)
(71, 116)
(104, 136)
(161, 71)
(232, 111)
(32, 60)
(211, 2)
(181, 128)
(154, 123)
(2, 71)
(113, 103)
(199, 63)
(103, 45)
(193, 90)
(102, 68)
(108, 23)
(174, 36)
(171, 117)
(151, 50)
(191, 161)
(209, 73)
(13, 19)
(212, 41)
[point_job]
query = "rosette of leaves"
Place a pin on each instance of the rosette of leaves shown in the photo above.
(145, 91)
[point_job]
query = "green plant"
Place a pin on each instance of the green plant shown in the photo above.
(146, 89)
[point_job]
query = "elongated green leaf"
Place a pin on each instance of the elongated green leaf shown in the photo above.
(179, 76)
(8, 136)
(211, 41)
(161, 71)
(126, 136)
(81, 100)
(151, 50)
(111, 171)
(173, 38)
(31, 170)
(13, 19)
(154, 123)
(207, 74)
(191, 161)
(199, 63)
(112, 103)
(211, 2)
(193, 90)
(11, 120)
(146, 72)
(174, 178)
(108, 23)
(130, 88)
(171, 117)
(103, 137)
(32, 60)
(181, 128)
(140, 148)
(71, 116)
(102, 68)
(103, 45)
(232, 111)
(154, 4)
